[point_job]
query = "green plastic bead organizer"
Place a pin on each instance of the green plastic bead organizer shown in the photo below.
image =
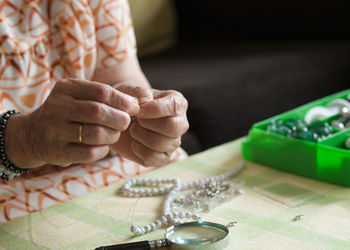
(326, 160)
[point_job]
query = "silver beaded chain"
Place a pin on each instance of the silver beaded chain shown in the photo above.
(168, 217)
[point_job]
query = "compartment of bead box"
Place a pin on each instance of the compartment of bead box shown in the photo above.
(326, 159)
(333, 159)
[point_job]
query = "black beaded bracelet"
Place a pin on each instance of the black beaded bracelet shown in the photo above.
(7, 169)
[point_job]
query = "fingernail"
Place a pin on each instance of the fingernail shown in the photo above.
(135, 99)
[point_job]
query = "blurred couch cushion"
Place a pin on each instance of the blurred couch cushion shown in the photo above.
(268, 18)
(155, 24)
(232, 84)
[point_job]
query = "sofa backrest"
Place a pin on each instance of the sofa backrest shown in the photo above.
(267, 18)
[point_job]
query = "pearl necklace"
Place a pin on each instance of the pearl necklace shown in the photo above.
(168, 217)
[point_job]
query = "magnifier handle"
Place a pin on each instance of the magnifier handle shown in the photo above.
(141, 245)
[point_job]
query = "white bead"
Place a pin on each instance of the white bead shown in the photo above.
(163, 219)
(144, 181)
(142, 230)
(170, 197)
(153, 226)
(182, 215)
(195, 216)
(147, 228)
(157, 181)
(155, 191)
(158, 223)
(175, 214)
(188, 214)
(176, 181)
(161, 190)
(137, 230)
(196, 183)
(189, 185)
(175, 222)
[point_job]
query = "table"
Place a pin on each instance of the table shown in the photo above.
(264, 213)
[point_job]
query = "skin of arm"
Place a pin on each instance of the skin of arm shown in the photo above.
(127, 71)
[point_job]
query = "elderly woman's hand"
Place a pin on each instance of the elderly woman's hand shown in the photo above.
(75, 124)
(156, 132)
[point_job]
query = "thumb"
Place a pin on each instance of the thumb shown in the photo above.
(142, 94)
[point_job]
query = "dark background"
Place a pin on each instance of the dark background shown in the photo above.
(239, 62)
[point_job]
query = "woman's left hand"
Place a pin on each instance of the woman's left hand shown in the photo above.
(156, 131)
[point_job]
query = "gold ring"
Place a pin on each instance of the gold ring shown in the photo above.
(80, 138)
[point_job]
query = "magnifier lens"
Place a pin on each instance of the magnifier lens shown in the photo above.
(196, 233)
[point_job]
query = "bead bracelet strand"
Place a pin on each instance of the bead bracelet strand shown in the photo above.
(168, 217)
(8, 170)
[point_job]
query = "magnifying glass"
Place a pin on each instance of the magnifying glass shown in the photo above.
(194, 235)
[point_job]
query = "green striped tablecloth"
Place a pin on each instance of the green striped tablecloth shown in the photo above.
(264, 213)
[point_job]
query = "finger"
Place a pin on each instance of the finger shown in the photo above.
(149, 157)
(81, 153)
(169, 126)
(98, 92)
(90, 134)
(152, 140)
(98, 114)
(172, 104)
(142, 94)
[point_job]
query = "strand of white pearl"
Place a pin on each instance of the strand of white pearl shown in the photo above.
(168, 217)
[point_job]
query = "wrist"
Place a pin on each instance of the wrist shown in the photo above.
(17, 142)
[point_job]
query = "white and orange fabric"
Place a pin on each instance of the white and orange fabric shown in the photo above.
(42, 42)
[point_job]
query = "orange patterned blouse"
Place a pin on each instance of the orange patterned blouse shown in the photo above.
(43, 41)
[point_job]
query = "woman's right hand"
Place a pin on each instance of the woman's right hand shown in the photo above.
(50, 134)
